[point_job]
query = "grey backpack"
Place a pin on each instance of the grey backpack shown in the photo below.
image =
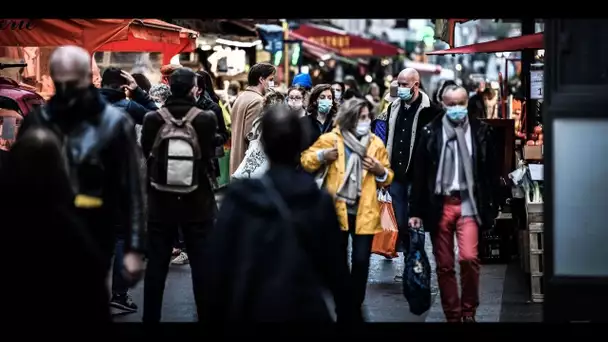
(176, 154)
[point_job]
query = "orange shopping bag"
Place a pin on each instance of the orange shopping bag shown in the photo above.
(385, 242)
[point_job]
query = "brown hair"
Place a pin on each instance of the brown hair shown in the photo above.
(273, 97)
(314, 96)
(349, 112)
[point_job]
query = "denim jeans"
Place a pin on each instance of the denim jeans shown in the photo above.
(119, 286)
(400, 193)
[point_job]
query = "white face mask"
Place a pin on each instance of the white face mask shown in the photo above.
(338, 95)
(270, 84)
(295, 104)
(363, 127)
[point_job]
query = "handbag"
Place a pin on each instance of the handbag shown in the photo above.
(417, 274)
(385, 242)
(255, 163)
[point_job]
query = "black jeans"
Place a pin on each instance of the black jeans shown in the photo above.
(360, 256)
(119, 286)
(161, 239)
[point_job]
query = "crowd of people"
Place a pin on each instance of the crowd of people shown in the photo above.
(128, 172)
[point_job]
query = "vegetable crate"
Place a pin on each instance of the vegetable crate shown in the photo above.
(536, 260)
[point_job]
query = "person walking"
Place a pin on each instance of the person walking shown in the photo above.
(180, 140)
(280, 258)
(322, 109)
(357, 165)
(295, 100)
(247, 107)
(453, 193)
(403, 124)
(103, 160)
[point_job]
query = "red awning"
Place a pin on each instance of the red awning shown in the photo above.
(313, 48)
(149, 35)
(345, 44)
(530, 41)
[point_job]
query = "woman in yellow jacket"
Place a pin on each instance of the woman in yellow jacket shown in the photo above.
(358, 164)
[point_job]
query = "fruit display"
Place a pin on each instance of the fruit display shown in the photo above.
(536, 138)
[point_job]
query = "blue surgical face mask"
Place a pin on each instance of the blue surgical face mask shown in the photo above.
(404, 93)
(456, 113)
(324, 106)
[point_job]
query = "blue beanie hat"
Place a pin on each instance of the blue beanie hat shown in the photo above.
(302, 80)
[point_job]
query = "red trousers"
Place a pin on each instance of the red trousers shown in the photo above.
(454, 306)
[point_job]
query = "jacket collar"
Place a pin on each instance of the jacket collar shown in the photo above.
(254, 89)
(425, 102)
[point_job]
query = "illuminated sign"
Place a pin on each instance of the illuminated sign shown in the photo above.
(337, 42)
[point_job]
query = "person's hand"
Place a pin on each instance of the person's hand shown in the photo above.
(131, 85)
(330, 154)
(373, 166)
(415, 222)
(133, 267)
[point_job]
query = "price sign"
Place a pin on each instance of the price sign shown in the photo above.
(536, 85)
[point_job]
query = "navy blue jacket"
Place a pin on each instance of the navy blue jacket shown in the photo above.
(137, 107)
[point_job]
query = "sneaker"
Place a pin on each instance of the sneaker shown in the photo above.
(123, 302)
(398, 278)
(468, 319)
(181, 259)
(176, 252)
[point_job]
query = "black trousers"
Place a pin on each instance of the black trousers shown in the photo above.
(360, 259)
(161, 239)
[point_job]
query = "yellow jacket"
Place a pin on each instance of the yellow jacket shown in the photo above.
(368, 213)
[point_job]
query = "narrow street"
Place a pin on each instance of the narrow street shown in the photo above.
(502, 295)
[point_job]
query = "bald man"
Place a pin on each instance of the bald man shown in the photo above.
(453, 193)
(103, 158)
(401, 128)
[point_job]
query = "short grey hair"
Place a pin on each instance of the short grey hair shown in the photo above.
(349, 112)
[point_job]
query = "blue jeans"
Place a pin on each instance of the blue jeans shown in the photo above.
(400, 193)
(119, 286)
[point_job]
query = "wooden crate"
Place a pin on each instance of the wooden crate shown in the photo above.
(537, 289)
(534, 212)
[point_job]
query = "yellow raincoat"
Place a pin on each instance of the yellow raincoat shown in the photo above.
(368, 213)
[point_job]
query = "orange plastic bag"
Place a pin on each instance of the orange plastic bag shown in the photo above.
(385, 242)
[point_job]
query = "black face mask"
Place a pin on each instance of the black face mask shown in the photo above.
(69, 92)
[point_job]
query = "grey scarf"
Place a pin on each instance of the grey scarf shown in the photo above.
(455, 140)
(350, 190)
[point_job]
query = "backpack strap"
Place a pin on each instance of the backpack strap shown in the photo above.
(192, 114)
(166, 115)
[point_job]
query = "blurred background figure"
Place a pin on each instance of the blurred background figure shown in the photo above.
(302, 80)
(373, 97)
(35, 173)
(351, 88)
(338, 88)
(160, 93)
(289, 264)
(234, 89)
(273, 97)
(142, 82)
(295, 100)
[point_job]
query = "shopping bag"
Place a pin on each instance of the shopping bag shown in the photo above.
(385, 243)
(417, 274)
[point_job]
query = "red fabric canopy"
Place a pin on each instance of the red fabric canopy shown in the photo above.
(128, 35)
(346, 45)
(315, 49)
(530, 41)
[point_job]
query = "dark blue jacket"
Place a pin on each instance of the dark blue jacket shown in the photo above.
(137, 107)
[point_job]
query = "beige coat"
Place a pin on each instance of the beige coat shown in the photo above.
(246, 108)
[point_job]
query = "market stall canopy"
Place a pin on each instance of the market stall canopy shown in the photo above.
(127, 35)
(530, 41)
(345, 44)
(321, 52)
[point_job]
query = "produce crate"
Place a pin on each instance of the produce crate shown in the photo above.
(534, 212)
(536, 261)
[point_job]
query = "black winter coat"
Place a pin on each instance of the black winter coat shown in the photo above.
(245, 278)
(423, 201)
(137, 107)
(199, 205)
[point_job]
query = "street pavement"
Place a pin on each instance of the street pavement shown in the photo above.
(384, 300)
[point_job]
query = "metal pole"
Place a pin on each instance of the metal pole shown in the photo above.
(286, 51)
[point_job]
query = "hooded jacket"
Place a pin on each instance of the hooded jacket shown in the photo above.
(137, 107)
(247, 267)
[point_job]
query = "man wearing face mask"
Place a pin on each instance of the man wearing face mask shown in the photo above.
(453, 193)
(247, 107)
(103, 159)
(193, 212)
(405, 118)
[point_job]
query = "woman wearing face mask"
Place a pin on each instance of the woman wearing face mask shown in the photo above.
(338, 88)
(295, 100)
(358, 165)
(321, 110)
